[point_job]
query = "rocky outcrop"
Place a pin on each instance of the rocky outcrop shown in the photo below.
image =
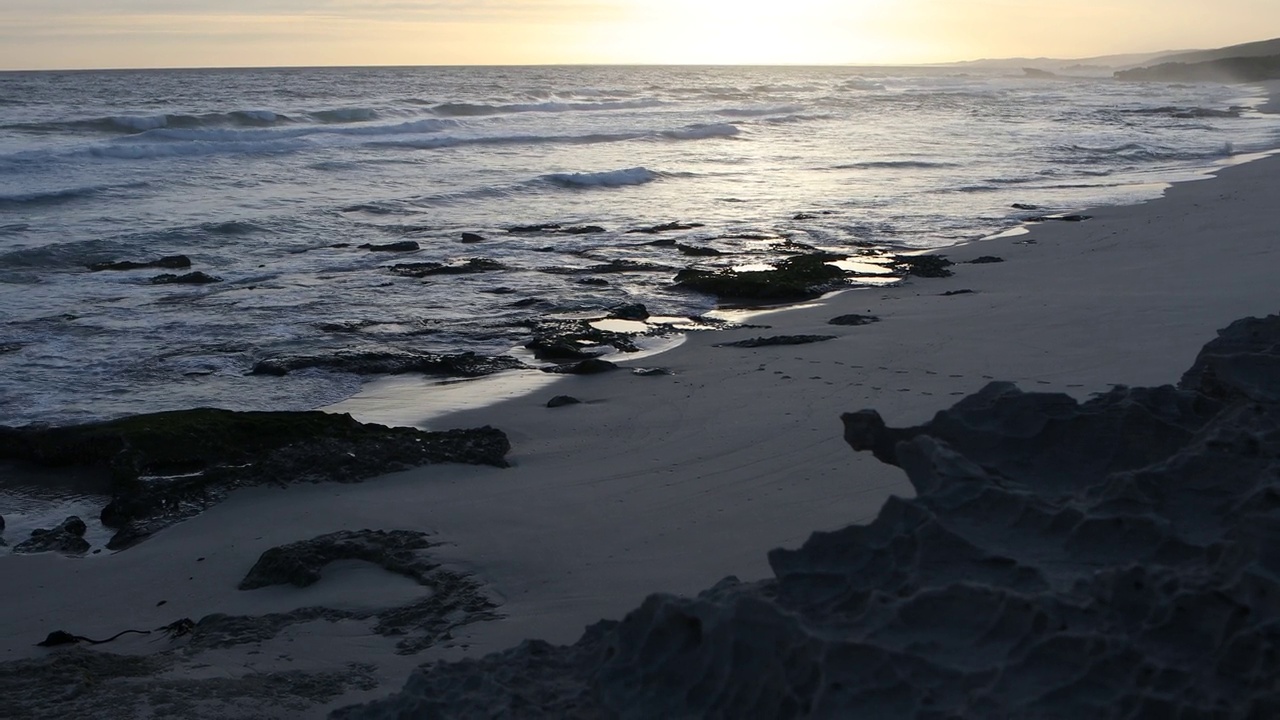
(590, 366)
(401, 246)
(853, 320)
(451, 599)
(630, 311)
(469, 238)
(67, 538)
(925, 266)
(563, 401)
(778, 340)
(193, 278)
(575, 340)
(1107, 559)
(799, 277)
(428, 269)
(300, 564)
(665, 227)
(391, 363)
(169, 262)
(166, 467)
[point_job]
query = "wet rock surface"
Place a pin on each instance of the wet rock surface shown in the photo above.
(166, 467)
(169, 262)
(66, 538)
(194, 278)
(576, 339)
(778, 340)
(428, 269)
(391, 363)
(925, 266)
(1107, 559)
(665, 227)
(401, 246)
(590, 366)
(799, 277)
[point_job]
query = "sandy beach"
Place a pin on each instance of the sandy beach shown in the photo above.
(668, 483)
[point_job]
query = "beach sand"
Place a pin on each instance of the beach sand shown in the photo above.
(670, 483)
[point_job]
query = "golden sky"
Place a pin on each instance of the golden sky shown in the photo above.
(216, 33)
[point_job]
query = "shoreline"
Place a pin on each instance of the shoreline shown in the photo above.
(669, 483)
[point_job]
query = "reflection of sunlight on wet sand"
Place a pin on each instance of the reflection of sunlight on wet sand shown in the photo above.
(424, 402)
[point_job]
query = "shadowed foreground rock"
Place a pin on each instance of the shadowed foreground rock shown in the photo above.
(166, 467)
(1108, 559)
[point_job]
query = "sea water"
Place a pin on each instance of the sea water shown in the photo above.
(272, 179)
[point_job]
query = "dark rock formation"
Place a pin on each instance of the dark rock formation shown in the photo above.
(697, 251)
(853, 320)
(590, 366)
(631, 311)
(527, 229)
(962, 291)
(563, 400)
(300, 564)
(194, 278)
(169, 262)
(452, 599)
(582, 230)
(401, 246)
(651, 372)
(470, 238)
(67, 538)
(166, 467)
(986, 260)
(778, 340)
(798, 277)
(925, 266)
(427, 269)
(1025, 206)
(665, 227)
(1108, 559)
(466, 364)
(574, 340)
(612, 266)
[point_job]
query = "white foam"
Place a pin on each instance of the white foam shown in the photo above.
(611, 178)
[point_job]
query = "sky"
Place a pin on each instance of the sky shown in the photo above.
(49, 34)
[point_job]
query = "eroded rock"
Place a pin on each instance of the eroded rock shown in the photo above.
(925, 266)
(67, 538)
(169, 262)
(400, 246)
(563, 400)
(853, 320)
(428, 269)
(778, 340)
(590, 366)
(193, 278)
(795, 278)
(166, 467)
(1111, 559)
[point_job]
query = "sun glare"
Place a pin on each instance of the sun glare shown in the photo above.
(746, 31)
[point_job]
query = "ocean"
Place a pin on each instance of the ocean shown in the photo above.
(272, 179)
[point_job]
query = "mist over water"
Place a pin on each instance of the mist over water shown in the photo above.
(271, 179)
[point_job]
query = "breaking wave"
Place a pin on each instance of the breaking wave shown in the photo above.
(135, 124)
(611, 179)
(481, 110)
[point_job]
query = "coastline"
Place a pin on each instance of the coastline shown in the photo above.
(667, 484)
